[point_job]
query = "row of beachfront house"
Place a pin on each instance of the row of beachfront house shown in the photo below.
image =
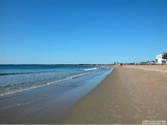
(161, 58)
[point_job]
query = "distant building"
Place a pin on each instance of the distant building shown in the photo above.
(161, 58)
(116, 63)
(147, 63)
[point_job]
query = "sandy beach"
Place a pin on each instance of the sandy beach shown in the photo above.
(128, 95)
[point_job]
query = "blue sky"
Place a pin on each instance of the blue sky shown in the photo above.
(81, 31)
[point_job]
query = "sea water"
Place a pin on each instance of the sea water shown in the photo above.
(18, 78)
(44, 93)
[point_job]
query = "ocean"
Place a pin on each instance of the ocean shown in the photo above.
(51, 89)
(18, 78)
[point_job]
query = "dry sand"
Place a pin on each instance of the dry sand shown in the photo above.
(157, 68)
(128, 95)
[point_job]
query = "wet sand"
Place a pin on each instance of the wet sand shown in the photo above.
(128, 95)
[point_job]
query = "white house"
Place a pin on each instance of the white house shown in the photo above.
(161, 58)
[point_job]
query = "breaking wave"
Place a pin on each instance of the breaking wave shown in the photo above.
(12, 88)
(90, 69)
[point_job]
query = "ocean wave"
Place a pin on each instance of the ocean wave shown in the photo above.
(18, 73)
(8, 92)
(90, 69)
(3, 74)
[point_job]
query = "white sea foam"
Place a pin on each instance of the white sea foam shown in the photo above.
(42, 85)
(90, 69)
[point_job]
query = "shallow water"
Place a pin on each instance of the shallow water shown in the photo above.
(48, 104)
(18, 78)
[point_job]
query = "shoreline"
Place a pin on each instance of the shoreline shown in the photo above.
(46, 105)
(128, 95)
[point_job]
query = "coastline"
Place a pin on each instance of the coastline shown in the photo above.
(129, 95)
(46, 105)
